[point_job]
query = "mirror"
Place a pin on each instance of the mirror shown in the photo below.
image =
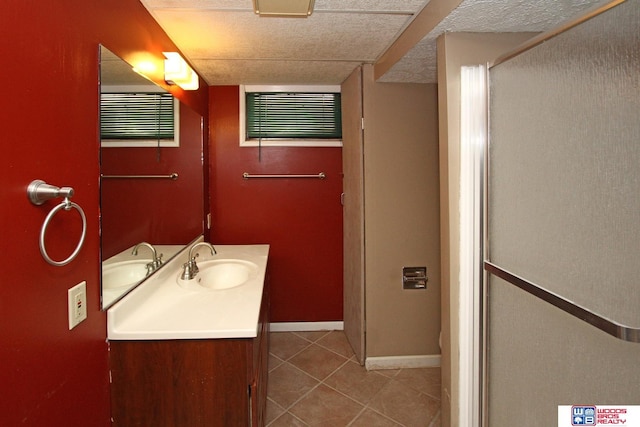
(150, 190)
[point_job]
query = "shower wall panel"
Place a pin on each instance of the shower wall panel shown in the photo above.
(564, 213)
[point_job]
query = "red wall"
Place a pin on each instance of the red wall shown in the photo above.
(51, 376)
(159, 211)
(300, 218)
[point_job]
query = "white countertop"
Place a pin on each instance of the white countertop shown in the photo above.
(160, 309)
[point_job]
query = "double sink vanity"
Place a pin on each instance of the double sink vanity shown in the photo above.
(192, 351)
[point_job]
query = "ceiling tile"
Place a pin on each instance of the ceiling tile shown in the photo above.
(223, 72)
(243, 35)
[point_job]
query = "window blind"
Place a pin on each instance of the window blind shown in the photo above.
(295, 115)
(136, 116)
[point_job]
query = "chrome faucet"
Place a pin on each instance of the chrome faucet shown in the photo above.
(190, 268)
(157, 260)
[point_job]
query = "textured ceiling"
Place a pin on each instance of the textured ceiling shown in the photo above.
(228, 44)
(482, 16)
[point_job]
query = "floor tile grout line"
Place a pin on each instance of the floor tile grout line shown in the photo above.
(297, 333)
(344, 394)
(310, 344)
(269, 368)
(385, 416)
(346, 360)
(417, 390)
(420, 392)
(367, 406)
(304, 394)
(290, 414)
(325, 348)
(295, 354)
(333, 351)
(364, 408)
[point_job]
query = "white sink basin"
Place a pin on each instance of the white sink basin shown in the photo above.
(218, 274)
(124, 273)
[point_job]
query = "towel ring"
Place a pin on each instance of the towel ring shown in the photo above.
(66, 205)
(38, 192)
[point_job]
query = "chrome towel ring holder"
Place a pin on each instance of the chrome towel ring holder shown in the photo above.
(39, 192)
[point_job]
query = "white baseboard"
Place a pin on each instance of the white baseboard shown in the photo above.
(400, 362)
(306, 326)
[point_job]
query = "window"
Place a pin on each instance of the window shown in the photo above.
(309, 116)
(138, 119)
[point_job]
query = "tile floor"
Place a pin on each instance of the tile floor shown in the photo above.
(314, 380)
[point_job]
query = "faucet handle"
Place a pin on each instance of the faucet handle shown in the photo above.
(158, 260)
(190, 269)
(194, 265)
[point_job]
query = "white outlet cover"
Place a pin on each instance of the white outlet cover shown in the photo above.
(77, 304)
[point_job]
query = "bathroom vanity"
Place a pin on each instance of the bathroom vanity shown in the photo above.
(190, 353)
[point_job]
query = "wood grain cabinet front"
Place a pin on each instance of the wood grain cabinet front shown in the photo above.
(191, 383)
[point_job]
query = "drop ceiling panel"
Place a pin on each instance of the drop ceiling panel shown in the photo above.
(242, 35)
(224, 72)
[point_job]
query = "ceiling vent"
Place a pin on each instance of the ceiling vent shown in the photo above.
(284, 8)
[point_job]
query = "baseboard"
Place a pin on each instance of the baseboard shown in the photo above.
(306, 326)
(400, 362)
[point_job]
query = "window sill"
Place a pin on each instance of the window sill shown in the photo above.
(118, 143)
(292, 143)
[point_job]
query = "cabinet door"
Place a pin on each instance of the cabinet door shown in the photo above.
(180, 383)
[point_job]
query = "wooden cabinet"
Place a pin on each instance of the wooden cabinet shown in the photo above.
(191, 383)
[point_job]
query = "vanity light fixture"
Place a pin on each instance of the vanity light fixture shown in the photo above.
(145, 69)
(178, 72)
(284, 8)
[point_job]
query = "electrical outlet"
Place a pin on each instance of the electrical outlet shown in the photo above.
(77, 301)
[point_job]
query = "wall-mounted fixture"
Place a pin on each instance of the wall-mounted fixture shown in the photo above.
(178, 72)
(284, 8)
(414, 278)
(39, 192)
